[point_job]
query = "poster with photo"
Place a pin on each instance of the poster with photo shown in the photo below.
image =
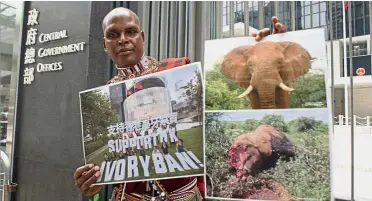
(146, 128)
(268, 125)
(280, 72)
(268, 154)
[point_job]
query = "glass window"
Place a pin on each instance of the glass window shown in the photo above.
(315, 7)
(358, 10)
(255, 3)
(316, 20)
(303, 22)
(307, 22)
(323, 19)
(366, 8)
(268, 22)
(307, 10)
(367, 24)
(323, 6)
(239, 7)
(359, 28)
(307, 3)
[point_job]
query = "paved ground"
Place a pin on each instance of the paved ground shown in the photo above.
(96, 153)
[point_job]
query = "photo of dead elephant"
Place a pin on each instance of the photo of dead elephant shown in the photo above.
(268, 154)
(272, 74)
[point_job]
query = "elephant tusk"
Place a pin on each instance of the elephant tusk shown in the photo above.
(246, 92)
(285, 88)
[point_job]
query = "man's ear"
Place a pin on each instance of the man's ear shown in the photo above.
(143, 36)
(104, 45)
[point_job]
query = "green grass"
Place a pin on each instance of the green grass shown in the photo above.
(91, 146)
(193, 141)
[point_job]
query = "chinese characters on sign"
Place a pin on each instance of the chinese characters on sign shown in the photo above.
(31, 36)
(32, 17)
(28, 76)
(30, 56)
(28, 73)
(31, 52)
(131, 126)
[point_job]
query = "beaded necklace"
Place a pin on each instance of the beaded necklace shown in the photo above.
(189, 192)
(147, 65)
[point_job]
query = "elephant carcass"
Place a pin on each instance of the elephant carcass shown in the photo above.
(257, 151)
(266, 71)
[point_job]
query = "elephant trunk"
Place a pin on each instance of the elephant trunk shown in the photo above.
(266, 95)
(265, 88)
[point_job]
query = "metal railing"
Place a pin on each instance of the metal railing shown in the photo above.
(341, 120)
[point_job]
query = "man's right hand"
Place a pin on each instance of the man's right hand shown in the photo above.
(85, 176)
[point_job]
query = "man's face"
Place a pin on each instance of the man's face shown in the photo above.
(123, 40)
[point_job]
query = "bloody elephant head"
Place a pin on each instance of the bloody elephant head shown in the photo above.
(245, 158)
(267, 71)
(258, 151)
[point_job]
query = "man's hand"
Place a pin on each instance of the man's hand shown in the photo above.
(278, 28)
(84, 177)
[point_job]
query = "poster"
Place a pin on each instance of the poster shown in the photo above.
(268, 154)
(268, 122)
(282, 71)
(146, 128)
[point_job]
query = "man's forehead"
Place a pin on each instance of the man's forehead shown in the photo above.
(120, 15)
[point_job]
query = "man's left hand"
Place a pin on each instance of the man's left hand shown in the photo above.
(278, 28)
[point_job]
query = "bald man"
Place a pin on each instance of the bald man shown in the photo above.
(123, 42)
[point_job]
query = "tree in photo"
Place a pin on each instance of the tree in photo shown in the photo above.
(218, 143)
(251, 124)
(309, 89)
(221, 93)
(276, 121)
(193, 92)
(98, 114)
(303, 124)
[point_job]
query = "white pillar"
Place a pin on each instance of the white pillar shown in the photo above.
(346, 104)
(345, 67)
(340, 120)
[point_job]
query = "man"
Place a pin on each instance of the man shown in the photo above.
(123, 42)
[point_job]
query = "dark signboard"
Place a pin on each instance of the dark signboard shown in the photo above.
(361, 65)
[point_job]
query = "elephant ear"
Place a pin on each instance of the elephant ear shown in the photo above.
(235, 67)
(296, 57)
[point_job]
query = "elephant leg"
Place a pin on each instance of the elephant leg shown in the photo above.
(255, 101)
(281, 99)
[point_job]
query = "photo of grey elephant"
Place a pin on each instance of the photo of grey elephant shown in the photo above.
(281, 72)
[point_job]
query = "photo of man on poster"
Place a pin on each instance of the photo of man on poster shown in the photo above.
(123, 42)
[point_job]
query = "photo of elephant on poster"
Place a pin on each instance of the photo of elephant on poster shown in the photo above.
(281, 72)
(268, 154)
